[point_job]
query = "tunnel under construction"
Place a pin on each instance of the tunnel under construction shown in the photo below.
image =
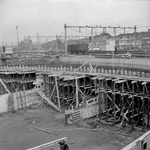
(116, 99)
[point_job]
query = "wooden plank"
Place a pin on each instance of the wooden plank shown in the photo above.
(48, 144)
(120, 81)
(48, 100)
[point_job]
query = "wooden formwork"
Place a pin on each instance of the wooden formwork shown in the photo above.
(123, 99)
(17, 80)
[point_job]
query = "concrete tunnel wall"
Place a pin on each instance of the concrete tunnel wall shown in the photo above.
(18, 100)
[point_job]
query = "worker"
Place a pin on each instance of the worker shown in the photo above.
(63, 145)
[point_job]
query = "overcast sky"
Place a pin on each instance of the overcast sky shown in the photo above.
(47, 17)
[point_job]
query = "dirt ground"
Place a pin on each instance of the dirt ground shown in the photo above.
(17, 132)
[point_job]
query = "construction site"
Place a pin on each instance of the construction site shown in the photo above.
(89, 102)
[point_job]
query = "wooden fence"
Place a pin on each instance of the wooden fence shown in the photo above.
(133, 63)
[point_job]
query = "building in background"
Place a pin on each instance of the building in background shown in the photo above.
(129, 42)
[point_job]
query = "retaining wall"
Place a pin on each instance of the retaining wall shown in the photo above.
(137, 63)
(134, 63)
(18, 100)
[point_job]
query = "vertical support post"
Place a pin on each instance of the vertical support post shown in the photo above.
(123, 103)
(84, 84)
(65, 27)
(114, 31)
(99, 100)
(95, 30)
(139, 145)
(113, 60)
(135, 35)
(143, 103)
(49, 86)
(148, 113)
(38, 42)
(57, 92)
(106, 100)
(17, 36)
(1, 89)
(29, 87)
(68, 90)
(77, 94)
(5, 41)
(45, 83)
(90, 65)
(104, 29)
(56, 44)
(63, 90)
(114, 101)
(92, 31)
(132, 123)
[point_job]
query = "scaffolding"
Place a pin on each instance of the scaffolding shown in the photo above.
(122, 100)
(16, 80)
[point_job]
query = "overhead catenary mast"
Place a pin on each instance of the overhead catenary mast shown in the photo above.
(96, 27)
(17, 35)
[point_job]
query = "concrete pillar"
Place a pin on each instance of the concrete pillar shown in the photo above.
(102, 70)
(106, 71)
